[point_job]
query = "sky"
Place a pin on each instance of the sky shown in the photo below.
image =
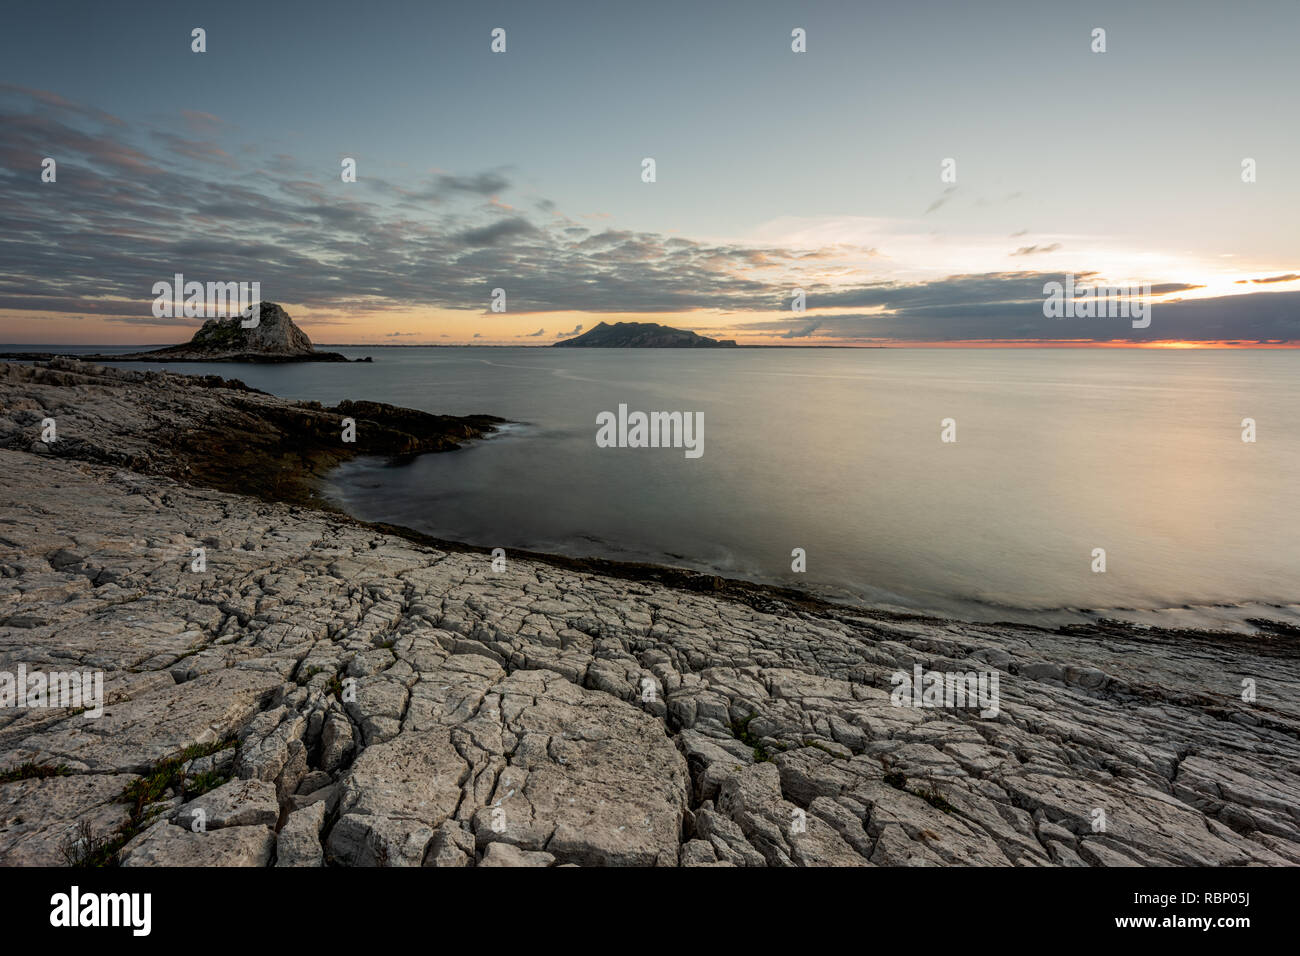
(824, 171)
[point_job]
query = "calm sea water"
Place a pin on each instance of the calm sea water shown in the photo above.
(838, 452)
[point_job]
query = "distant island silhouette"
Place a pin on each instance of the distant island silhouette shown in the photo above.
(642, 335)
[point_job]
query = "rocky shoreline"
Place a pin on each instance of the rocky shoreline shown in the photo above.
(172, 358)
(326, 692)
(211, 431)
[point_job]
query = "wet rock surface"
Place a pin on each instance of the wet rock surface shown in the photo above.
(326, 693)
(210, 431)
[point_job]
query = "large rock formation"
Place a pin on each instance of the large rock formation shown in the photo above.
(275, 338)
(642, 335)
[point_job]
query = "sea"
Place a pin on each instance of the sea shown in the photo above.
(1160, 487)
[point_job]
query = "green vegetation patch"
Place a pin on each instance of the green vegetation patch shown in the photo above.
(85, 848)
(33, 771)
(740, 730)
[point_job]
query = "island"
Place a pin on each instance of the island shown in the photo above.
(642, 335)
(275, 338)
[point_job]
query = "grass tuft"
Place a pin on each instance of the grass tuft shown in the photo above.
(33, 771)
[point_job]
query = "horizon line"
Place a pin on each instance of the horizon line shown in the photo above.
(1159, 345)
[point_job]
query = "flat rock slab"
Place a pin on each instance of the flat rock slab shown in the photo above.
(590, 779)
(394, 797)
(503, 854)
(41, 819)
(166, 844)
(135, 735)
(298, 842)
(584, 776)
(238, 803)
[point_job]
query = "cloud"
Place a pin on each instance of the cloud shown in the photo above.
(202, 123)
(204, 151)
(1289, 277)
(54, 101)
(117, 221)
(1034, 250)
(504, 229)
(135, 204)
(533, 335)
(806, 331)
(563, 335)
(947, 194)
(480, 184)
(178, 321)
(1001, 309)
